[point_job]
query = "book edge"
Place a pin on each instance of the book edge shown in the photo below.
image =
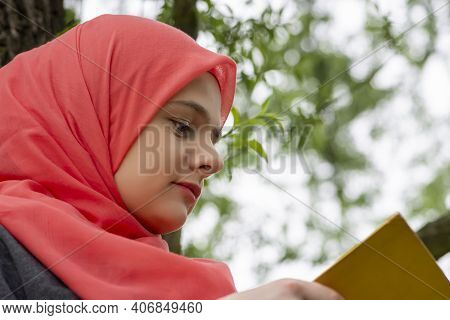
(350, 250)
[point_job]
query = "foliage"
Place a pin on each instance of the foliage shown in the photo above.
(70, 20)
(313, 98)
(311, 85)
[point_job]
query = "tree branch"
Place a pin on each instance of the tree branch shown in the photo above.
(436, 236)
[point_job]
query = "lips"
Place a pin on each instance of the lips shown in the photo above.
(195, 189)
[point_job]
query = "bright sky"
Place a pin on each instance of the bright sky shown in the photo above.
(264, 207)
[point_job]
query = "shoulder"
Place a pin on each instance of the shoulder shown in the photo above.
(22, 276)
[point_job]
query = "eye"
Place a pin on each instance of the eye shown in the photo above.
(216, 136)
(182, 129)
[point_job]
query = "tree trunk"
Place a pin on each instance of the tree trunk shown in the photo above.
(185, 17)
(26, 24)
(184, 14)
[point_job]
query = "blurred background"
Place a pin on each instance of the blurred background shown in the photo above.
(341, 118)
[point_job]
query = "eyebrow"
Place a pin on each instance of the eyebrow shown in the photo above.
(201, 110)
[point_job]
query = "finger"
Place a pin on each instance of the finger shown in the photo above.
(317, 291)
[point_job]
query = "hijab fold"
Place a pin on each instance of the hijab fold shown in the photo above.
(69, 112)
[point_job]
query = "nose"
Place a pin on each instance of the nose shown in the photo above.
(206, 160)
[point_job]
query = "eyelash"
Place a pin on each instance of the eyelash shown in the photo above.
(190, 130)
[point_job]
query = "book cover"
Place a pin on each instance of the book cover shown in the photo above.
(392, 263)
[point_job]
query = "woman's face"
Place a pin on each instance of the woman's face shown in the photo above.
(176, 146)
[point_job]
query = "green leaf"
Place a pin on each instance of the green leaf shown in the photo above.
(272, 120)
(265, 105)
(256, 121)
(236, 115)
(255, 145)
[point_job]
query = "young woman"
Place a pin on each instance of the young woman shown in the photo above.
(107, 134)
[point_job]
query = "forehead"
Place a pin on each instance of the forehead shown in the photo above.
(199, 100)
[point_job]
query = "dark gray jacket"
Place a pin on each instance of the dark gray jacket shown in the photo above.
(22, 276)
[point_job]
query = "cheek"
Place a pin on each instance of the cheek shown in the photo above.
(148, 192)
(140, 191)
(172, 158)
(161, 156)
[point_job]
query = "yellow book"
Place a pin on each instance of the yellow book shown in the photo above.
(392, 263)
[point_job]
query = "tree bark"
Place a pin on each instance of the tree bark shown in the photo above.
(184, 14)
(436, 236)
(26, 24)
(185, 17)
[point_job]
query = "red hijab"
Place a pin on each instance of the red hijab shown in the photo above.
(69, 111)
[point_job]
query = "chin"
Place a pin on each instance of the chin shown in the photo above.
(170, 228)
(163, 223)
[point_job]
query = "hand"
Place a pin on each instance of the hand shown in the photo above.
(287, 289)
